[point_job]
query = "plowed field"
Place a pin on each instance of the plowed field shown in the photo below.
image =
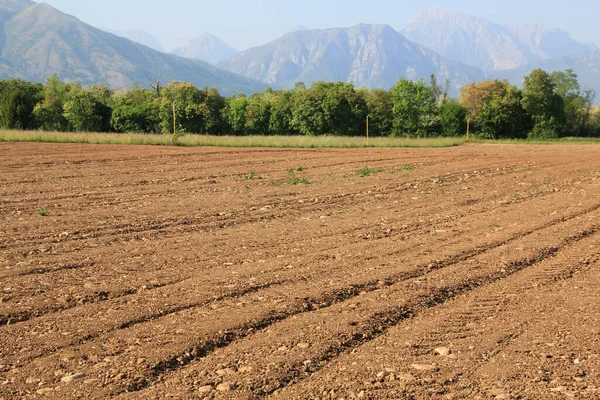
(155, 272)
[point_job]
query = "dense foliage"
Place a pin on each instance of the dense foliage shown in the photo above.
(548, 106)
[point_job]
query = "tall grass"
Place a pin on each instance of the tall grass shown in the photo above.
(225, 141)
(263, 141)
(565, 140)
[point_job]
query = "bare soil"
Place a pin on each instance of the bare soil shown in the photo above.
(153, 272)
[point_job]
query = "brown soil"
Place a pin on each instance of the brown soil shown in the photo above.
(468, 272)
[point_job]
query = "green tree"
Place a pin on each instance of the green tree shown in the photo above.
(280, 120)
(440, 93)
(258, 114)
(308, 116)
(136, 111)
(234, 114)
(453, 119)
(86, 111)
(594, 129)
(213, 112)
(413, 109)
(543, 104)
(474, 96)
(48, 113)
(188, 102)
(577, 103)
(17, 101)
(345, 110)
(379, 106)
(503, 116)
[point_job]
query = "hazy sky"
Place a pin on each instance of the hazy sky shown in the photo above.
(248, 23)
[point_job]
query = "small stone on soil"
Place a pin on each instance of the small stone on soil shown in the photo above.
(424, 367)
(443, 351)
(225, 387)
(225, 371)
(405, 377)
(205, 389)
(71, 378)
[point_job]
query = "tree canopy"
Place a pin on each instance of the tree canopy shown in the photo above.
(549, 105)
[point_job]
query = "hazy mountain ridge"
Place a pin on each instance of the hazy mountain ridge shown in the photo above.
(366, 55)
(139, 36)
(488, 45)
(206, 47)
(297, 28)
(586, 66)
(37, 40)
(549, 43)
(40, 40)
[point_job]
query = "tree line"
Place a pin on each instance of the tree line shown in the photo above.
(550, 105)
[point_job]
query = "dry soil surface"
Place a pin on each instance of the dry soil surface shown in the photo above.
(154, 272)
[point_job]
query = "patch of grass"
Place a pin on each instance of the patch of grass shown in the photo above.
(441, 179)
(42, 212)
(250, 176)
(366, 171)
(324, 141)
(292, 179)
(407, 167)
(494, 225)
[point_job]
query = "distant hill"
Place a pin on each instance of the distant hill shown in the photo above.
(207, 48)
(39, 40)
(297, 28)
(549, 43)
(366, 55)
(586, 66)
(487, 45)
(139, 36)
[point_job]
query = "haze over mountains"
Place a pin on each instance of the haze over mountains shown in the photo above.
(587, 66)
(367, 55)
(487, 45)
(139, 36)
(206, 47)
(37, 40)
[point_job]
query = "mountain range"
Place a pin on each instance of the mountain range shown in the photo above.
(586, 66)
(206, 47)
(367, 55)
(139, 36)
(487, 45)
(36, 40)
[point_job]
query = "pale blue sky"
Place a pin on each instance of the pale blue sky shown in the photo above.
(248, 23)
